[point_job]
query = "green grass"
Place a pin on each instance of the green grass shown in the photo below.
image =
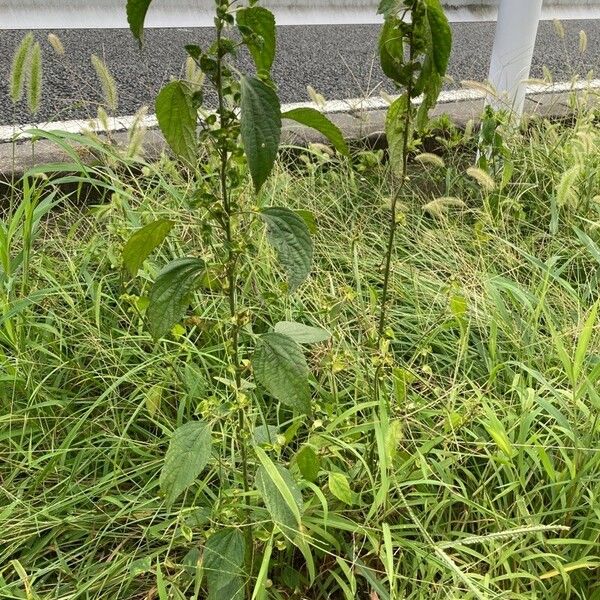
(485, 479)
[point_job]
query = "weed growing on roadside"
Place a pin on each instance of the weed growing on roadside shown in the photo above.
(245, 128)
(123, 452)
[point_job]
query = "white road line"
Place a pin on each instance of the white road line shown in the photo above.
(10, 133)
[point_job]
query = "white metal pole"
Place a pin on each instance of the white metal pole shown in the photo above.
(516, 31)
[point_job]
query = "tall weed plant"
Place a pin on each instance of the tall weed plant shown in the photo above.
(409, 413)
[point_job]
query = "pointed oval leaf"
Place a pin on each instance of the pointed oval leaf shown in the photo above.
(289, 235)
(143, 242)
(395, 124)
(169, 296)
(280, 493)
(188, 454)
(261, 44)
(317, 120)
(388, 7)
(280, 367)
(303, 334)
(136, 15)
(340, 487)
(441, 35)
(177, 119)
(391, 52)
(260, 126)
(308, 462)
(310, 220)
(223, 564)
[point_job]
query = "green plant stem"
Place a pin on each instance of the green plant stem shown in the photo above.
(393, 218)
(232, 290)
(389, 252)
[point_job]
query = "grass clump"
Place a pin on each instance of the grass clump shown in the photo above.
(485, 476)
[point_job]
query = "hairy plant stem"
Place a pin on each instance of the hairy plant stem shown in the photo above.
(231, 270)
(394, 216)
(408, 117)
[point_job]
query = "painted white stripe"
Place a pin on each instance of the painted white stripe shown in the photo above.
(351, 105)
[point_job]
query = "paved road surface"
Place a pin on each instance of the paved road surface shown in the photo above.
(339, 61)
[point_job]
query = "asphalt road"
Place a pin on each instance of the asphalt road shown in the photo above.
(338, 61)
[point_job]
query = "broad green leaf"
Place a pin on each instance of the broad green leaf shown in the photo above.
(395, 124)
(436, 39)
(280, 493)
(265, 434)
(309, 219)
(223, 564)
(169, 296)
(441, 35)
(279, 366)
(154, 399)
(260, 127)
(388, 7)
(136, 15)
(340, 488)
(317, 120)
(262, 42)
(303, 334)
(234, 590)
(194, 379)
(308, 462)
(177, 119)
(143, 242)
(191, 561)
(458, 306)
(197, 517)
(391, 52)
(140, 565)
(188, 454)
(289, 235)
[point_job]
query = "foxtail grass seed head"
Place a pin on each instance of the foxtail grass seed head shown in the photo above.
(107, 82)
(586, 142)
(468, 133)
(18, 71)
(483, 178)
(322, 149)
(566, 189)
(480, 86)
(559, 29)
(34, 82)
(439, 206)
(547, 74)
(317, 98)
(56, 44)
(583, 41)
(103, 119)
(136, 134)
(534, 81)
(427, 158)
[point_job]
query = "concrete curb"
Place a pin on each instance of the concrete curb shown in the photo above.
(361, 120)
